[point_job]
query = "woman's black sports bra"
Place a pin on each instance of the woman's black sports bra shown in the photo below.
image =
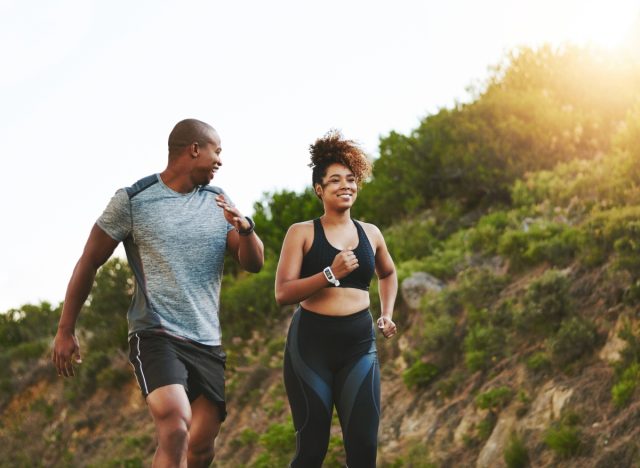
(321, 255)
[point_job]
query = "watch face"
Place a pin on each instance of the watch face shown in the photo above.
(328, 274)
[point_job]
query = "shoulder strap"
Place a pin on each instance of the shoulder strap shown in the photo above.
(141, 185)
(212, 188)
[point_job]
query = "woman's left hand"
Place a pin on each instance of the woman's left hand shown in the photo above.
(387, 327)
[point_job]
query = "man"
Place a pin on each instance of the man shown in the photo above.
(175, 229)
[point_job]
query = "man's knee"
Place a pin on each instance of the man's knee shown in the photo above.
(173, 430)
(201, 454)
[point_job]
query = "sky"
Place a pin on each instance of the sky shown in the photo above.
(91, 89)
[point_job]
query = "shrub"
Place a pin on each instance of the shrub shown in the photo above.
(246, 438)
(412, 238)
(439, 331)
(419, 375)
(494, 399)
(484, 237)
(247, 302)
(575, 337)
(482, 346)
(30, 349)
(625, 387)
(539, 361)
(546, 302)
(542, 241)
(113, 377)
(563, 439)
(485, 427)
(479, 287)
(279, 442)
(516, 454)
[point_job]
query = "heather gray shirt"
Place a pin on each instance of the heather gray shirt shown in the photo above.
(175, 244)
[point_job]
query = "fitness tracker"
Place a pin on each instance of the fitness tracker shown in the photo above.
(331, 278)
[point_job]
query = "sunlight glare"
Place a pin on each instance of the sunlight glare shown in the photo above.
(604, 24)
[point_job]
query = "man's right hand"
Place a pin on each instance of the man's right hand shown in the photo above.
(66, 351)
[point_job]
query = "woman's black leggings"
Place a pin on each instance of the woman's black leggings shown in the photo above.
(333, 361)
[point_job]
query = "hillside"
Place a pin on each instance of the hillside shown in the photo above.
(517, 244)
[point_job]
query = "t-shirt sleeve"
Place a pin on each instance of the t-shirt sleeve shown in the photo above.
(116, 218)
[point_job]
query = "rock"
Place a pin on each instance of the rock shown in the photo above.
(546, 407)
(417, 285)
(471, 418)
(492, 453)
(610, 352)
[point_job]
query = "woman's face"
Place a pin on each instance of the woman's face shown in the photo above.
(339, 188)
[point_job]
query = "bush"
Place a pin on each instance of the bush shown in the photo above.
(563, 439)
(546, 302)
(625, 387)
(483, 346)
(113, 377)
(412, 238)
(539, 362)
(479, 287)
(575, 337)
(516, 454)
(419, 375)
(484, 237)
(279, 441)
(542, 241)
(30, 349)
(93, 363)
(248, 301)
(494, 399)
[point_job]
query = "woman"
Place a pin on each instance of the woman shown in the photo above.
(326, 266)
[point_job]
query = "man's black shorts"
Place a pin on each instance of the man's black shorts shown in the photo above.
(160, 359)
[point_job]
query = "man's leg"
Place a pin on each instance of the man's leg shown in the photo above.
(169, 406)
(205, 426)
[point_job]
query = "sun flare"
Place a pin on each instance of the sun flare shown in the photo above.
(604, 24)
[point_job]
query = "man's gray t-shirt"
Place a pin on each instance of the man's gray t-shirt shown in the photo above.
(175, 244)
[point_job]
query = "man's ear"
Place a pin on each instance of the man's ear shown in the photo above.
(194, 149)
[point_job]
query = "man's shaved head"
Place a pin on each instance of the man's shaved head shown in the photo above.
(189, 131)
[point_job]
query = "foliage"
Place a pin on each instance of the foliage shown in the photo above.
(627, 369)
(483, 345)
(105, 311)
(419, 375)
(626, 385)
(478, 288)
(28, 323)
(277, 211)
(247, 302)
(564, 438)
(279, 443)
(494, 399)
(546, 302)
(539, 242)
(412, 237)
(539, 361)
(516, 454)
(535, 111)
(575, 337)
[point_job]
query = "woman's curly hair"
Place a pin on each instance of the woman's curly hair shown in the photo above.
(334, 148)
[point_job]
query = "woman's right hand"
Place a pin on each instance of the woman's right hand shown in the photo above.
(344, 263)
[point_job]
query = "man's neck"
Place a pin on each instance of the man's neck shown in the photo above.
(176, 181)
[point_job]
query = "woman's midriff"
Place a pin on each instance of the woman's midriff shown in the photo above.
(337, 301)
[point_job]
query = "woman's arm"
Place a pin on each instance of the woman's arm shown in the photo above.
(387, 284)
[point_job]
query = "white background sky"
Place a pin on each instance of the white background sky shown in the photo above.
(89, 92)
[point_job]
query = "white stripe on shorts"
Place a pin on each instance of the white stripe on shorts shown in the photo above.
(144, 381)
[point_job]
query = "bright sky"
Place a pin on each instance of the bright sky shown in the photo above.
(91, 89)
